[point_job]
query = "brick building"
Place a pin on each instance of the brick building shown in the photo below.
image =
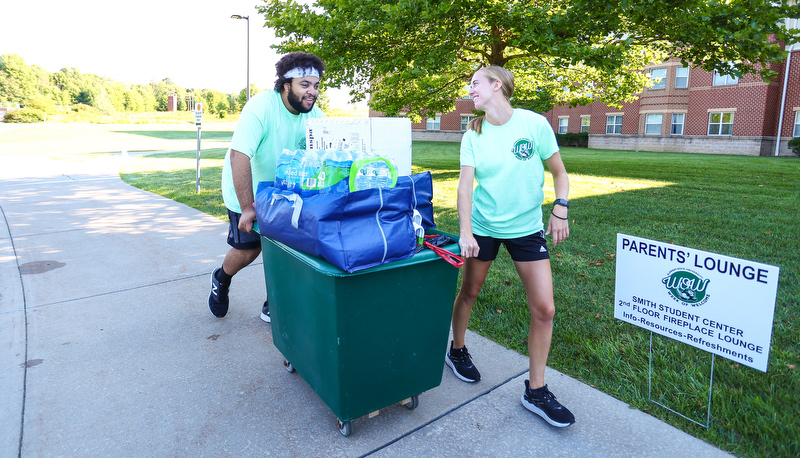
(686, 110)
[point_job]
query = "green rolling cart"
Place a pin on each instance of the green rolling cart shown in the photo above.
(363, 340)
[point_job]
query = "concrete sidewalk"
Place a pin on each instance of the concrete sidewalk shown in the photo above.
(109, 348)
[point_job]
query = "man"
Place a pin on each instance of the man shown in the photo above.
(270, 122)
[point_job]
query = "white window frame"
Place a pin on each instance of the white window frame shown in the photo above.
(718, 125)
(659, 78)
(563, 125)
(652, 123)
(678, 120)
(614, 124)
(681, 81)
(723, 80)
(586, 122)
(796, 131)
(434, 123)
(465, 120)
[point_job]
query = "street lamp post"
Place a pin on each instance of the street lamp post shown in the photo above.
(236, 16)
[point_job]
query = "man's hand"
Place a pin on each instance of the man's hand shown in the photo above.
(246, 221)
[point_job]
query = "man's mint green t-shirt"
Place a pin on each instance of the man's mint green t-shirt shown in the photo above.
(507, 202)
(264, 129)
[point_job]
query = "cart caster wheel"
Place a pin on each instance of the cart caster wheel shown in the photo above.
(345, 427)
(288, 365)
(414, 402)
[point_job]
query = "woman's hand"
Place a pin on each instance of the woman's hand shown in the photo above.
(557, 226)
(468, 245)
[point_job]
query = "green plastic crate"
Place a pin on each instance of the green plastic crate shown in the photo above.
(362, 340)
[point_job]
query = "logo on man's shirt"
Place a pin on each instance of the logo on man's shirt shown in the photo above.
(523, 149)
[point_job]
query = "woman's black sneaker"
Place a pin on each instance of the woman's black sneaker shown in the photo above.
(543, 403)
(460, 361)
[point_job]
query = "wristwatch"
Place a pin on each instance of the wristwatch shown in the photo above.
(562, 202)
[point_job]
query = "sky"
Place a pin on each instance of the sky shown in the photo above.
(193, 42)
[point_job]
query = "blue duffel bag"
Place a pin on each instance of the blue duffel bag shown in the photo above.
(352, 231)
(421, 185)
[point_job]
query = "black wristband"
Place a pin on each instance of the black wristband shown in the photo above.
(563, 219)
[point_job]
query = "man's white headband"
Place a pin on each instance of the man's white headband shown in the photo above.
(299, 72)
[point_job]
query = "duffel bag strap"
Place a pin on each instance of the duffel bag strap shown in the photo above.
(297, 205)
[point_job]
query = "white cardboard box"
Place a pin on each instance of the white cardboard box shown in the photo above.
(387, 137)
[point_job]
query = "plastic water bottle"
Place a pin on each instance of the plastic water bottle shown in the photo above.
(284, 160)
(294, 171)
(373, 172)
(419, 231)
(310, 169)
(336, 170)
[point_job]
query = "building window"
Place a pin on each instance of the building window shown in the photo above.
(721, 80)
(434, 123)
(585, 123)
(614, 124)
(720, 123)
(796, 132)
(652, 124)
(465, 120)
(682, 77)
(659, 77)
(677, 124)
(563, 123)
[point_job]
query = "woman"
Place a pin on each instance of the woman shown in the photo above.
(503, 151)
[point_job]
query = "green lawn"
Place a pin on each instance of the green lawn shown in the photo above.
(221, 135)
(745, 207)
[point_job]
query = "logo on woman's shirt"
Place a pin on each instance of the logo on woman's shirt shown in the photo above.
(523, 149)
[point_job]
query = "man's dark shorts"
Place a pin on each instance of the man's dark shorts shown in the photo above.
(239, 239)
(531, 247)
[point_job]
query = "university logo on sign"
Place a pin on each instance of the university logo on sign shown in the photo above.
(687, 287)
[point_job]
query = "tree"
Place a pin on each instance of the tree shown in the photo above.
(161, 90)
(17, 79)
(243, 94)
(418, 55)
(147, 96)
(323, 101)
(133, 100)
(42, 103)
(68, 81)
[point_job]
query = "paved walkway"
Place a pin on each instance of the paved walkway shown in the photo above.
(108, 348)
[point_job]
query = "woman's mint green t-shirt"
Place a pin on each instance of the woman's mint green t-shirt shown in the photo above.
(507, 202)
(264, 129)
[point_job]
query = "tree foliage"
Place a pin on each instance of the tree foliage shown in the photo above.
(418, 55)
(34, 87)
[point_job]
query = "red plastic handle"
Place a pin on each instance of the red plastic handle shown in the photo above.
(451, 258)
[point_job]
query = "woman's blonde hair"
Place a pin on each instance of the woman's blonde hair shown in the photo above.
(506, 78)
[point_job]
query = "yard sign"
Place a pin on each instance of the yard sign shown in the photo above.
(716, 303)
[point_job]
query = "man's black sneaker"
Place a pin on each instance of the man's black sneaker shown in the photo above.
(460, 361)
(543, 403)
(265, 312)
(218, 299)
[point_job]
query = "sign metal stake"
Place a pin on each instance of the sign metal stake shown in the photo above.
(650, 389)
